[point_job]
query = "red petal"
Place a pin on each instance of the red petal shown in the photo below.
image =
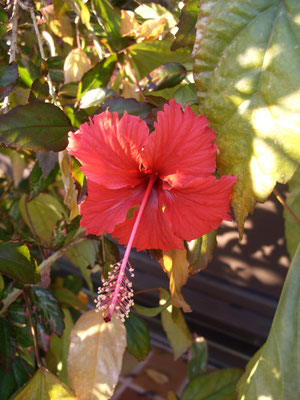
(193, 210)
(109, 149)
(154, 230)
(104, 208)
(180, 142)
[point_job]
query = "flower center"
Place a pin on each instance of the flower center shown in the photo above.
(116, 293)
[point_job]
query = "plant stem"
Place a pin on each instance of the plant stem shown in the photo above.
(282, 201)
(36, 348)
(43, 266)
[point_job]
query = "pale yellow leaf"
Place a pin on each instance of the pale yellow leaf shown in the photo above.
(151, 29)
(95, 356)
(76, 65)
(70, 199)
(176, 265)
(129, 24)
(61, 27)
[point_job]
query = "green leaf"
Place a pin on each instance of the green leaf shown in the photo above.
(97, 76)
(200, 251)
(35, 126)
(42, 333)
(275, 374)
(57, 355)
(186, 94)
(165, 76)
(48, 310)
(39, 90)
(60, 7)
(8, 76)
(44, 212)
(175, 327)
(15, 378)
(133, 107)
(16, 316)
(110, 18)
(145, 57)
(84, 255)
(152, 311)
(7, 344)
(95, 97)
(17, 263)
(197, 363)
(217, 385)
(45, 386)
(138, 339)
(56, 68)
(292, 228)
(108, 255)
(84, 13)
(68, 298)
(247, 77)
(3, 22)
(185, 36)
(38, 182)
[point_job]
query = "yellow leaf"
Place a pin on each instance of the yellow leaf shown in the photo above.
(176, 265)
(76, 65)
(45, 386)
(151, 29)
(129, 25)
(61, 27)
(95, 356)
(70, 199)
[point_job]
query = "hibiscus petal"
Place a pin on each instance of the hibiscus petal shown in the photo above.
(154, 230)
(181, 142)
(104, 208)
(198, 207)
(109, 149)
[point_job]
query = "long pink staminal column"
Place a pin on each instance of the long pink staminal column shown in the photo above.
(113, 302)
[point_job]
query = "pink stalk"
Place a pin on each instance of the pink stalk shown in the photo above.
(114, 300)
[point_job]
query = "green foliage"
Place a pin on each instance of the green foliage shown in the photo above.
(185, 36)
(292, 228)
(197, 363)
(266, 374)
(138, 339)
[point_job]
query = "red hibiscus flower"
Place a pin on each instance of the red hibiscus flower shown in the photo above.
(166, 176)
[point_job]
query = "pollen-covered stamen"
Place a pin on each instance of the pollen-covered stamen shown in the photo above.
(118, 281)
(124, 299)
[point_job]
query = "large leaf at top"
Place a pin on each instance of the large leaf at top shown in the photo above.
(95, 355)
(45, 386)
(247, 76)
(292, 227)
(274, 373)
(35, 126)
(16, 262)
(217, 385)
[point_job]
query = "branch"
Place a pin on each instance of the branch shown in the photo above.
(282, 201)
(43, 266)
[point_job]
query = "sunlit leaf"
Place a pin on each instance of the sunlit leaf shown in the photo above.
(35, 126)
(67, 298)
(60, 7)
(71, 193)
(95, 356)
(45, 386)
(176, 265)
(165, 76)
(248, 87)
(200, 251)
(175, 327)
(76, 65)
(138, 339)
(16, 262)
(186, 94)
(273, 373)
(98, 76)
(95, 97)
(152, 311)
(185, 35)
(292, 228)
(84, 13)
(61, 26)
(110, 18)
(217, 385)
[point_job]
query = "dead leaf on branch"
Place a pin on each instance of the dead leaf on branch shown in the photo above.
(95, 356)
(76, 65)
